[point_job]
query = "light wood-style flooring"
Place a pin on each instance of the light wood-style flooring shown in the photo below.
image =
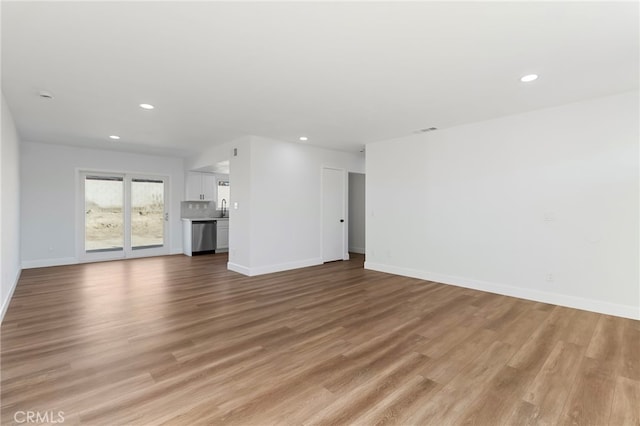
(180, 340)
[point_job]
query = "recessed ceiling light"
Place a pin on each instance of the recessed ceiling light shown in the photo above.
(146, 106)
(114, 137)
(528, 78)
(304, 138)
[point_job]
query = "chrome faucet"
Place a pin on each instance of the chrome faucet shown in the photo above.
(223, 205)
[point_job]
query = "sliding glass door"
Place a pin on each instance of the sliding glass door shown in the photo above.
(123, 216)
(104, 213)
(147, 213)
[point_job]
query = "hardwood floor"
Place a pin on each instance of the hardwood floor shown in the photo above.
(181, 340)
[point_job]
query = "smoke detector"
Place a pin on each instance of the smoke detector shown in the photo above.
(428, 129)
(45, 94)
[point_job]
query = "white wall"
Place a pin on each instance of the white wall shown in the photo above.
(278, 186)
(9, 208)
(502, 204)
(48, 186)
(357, 213)
(207, 160)
(240, 219)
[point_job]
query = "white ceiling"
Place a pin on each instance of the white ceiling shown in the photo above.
(343, 74)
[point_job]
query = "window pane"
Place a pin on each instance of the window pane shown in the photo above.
(147, 213)
(104, 213)
(223, 194)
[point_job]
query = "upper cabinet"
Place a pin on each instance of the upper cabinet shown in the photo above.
(200, 186)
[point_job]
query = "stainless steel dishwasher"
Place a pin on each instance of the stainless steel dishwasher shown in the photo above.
(203, 236)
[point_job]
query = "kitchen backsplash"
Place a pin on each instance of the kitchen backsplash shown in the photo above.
(198, 209)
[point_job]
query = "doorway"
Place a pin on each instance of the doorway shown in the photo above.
(334, 215)
(122, 216)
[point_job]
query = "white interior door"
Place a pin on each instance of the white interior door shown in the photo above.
(333, 215)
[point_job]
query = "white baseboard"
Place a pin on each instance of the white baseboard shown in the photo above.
(5, 303)
(239, 269)
(359, 250)
(268, 269)
(43, 263)
(177, 250)
(625, 311)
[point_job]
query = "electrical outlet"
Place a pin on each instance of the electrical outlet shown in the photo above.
(549, 277)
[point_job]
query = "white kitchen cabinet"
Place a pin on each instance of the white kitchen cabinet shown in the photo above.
(222, 235)
(193, 187)
(208, 187)
(186, 237)
(200, 186)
